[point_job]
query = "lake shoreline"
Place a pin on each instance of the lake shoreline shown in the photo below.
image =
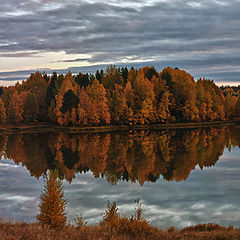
(110, 128)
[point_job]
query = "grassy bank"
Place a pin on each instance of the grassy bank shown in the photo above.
(113, 226)
(34, 231)
(109, 128)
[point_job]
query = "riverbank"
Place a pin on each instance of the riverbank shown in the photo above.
(34, 231)
(110, 128)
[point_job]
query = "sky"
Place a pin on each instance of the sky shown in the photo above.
(201, 37)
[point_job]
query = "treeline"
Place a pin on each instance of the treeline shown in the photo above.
(140, 156)
(233, 91)
(116, 96)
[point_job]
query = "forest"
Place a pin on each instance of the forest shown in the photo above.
(117, 96)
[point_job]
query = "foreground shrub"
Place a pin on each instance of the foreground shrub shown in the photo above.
(135, 225)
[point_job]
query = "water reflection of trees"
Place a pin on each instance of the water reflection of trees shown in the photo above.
(135, 156)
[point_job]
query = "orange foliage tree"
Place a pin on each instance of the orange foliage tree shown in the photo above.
(3, 116)
(52, 203)
(97, 94)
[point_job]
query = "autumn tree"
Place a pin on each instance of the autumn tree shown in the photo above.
(15, 108)
(218, 100)
(143, 99)
(184, 89)
(7, 95)
(87, 112)
(119, 108)
(237, 108)
(30, 108)
(204, 101)
(163, 110)
(3, 116)
(159, 86)
(52, 203)
(201, 100)
(132, 74)
(111, 77)
(97, 94)
(166, 75)
(37, 86)
(162, 99)
(129, 96)
(212, 100)
(229, 104)
(65, 101)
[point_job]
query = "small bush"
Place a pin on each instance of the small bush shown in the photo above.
(79, 222)
(115, 222)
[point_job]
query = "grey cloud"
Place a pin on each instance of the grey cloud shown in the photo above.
(17, 78)
(18, 54)
(173, 30)
(74, 60)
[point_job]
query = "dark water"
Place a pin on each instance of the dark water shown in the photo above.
(182, 177)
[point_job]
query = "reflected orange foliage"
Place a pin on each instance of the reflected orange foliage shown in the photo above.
(137, 156)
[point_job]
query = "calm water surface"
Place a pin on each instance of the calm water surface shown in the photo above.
(182, 177)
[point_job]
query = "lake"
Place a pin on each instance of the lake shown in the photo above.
(181, 176)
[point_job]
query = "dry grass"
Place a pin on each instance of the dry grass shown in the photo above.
(123, 230)
(115, 227)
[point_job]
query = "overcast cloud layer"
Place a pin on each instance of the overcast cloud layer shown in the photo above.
(200, 36)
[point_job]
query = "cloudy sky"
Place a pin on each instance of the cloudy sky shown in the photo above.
(201, 37)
